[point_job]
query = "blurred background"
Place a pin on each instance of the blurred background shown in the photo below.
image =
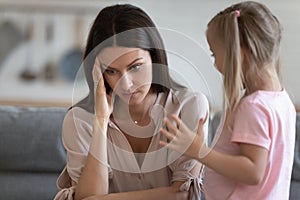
(41, 44)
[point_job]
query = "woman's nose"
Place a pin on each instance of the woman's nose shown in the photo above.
(126, 82)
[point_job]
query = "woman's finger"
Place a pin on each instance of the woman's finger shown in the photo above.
(99, 86)
(163, 143)
(166, 133)
(96, 70)
(111, 99)
(171, 126)
(177, 120)
(180, 125)
(200, 124)
(168, 145)
(206, 116)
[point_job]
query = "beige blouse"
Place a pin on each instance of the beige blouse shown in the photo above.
(159, 167)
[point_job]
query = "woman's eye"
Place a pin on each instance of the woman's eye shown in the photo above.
(135, 67)
(110, 71)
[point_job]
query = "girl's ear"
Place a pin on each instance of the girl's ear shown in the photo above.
(244, 59)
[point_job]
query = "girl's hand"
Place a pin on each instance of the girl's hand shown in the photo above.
(183, 140)
(103, 102)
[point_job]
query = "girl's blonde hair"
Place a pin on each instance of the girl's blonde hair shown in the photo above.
(251, 28)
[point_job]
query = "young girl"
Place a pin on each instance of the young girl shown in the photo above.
(112, 136)
(253, 156)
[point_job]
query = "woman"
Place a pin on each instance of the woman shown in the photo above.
(112, 136)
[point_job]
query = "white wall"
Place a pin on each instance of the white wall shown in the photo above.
(182, 24)
(191, 16)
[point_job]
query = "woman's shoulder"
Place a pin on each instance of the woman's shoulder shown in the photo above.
(190, 105)
(188, 101)
(77, 120)
(186, 95)
(78, 113)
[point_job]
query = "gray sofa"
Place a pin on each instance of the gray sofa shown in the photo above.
(32, 155)
(31, 152)
(295, 183)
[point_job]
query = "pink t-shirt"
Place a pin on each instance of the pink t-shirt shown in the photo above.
(266, 119)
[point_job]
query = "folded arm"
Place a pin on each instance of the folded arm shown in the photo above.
(165, 193)
(172, 192)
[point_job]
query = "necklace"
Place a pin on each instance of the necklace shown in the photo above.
(143, 117)
(138, 121)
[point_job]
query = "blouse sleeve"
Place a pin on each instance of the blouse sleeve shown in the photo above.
(194, 107)
(76, 136)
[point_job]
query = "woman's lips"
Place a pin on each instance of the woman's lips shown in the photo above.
(129, 94)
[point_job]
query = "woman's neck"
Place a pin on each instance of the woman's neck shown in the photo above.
(139, 113)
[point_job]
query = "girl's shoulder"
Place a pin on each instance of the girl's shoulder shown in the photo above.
(267, 102)
(264, 98)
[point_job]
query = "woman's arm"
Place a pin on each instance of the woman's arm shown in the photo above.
(94, 177)
(172, 192)
(166, 193)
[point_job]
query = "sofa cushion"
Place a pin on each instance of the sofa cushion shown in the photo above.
(295, 190)
(28, 186)
(296, 167)
(30, 139)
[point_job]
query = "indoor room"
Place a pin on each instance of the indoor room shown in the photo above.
(43, 46)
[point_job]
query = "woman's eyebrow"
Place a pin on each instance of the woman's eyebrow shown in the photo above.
(103, 66)
(129, 65)
(140, 58)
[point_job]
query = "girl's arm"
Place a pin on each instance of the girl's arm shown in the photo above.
(248, 167)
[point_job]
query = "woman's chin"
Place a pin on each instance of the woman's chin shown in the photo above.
(131, 100)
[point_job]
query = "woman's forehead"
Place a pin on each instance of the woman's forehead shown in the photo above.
(111, 55)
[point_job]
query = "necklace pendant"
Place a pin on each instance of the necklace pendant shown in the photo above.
(135, 121)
